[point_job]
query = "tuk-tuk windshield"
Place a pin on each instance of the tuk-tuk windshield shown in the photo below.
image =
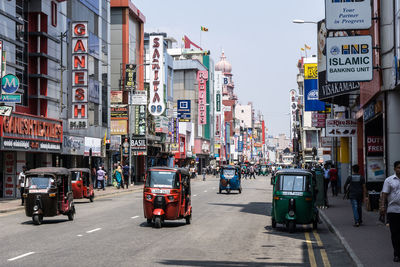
(293, 183)
(162, 179)
(228, 173)
(39, 182)
(75, 176)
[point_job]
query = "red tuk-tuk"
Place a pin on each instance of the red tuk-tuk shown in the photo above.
(82, 184)
(167, 195)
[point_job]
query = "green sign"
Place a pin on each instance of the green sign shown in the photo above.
(218, 100)
(11, 98)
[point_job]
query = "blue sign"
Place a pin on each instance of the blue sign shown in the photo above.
(240, 146)
(183, 109)
(9, 83)
(311, 102)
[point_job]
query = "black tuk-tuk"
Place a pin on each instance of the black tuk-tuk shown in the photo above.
(48, 193)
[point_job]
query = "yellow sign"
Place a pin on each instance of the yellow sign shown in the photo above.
(119, 127)
(217, 146)
(310, 71)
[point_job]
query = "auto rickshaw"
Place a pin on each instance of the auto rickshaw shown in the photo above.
(263, 170)
(48, 193)
(293, 200)
(230, 179)
(167, 195)
(82, 184)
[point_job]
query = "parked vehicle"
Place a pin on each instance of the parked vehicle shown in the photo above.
(48, 193)
(167, 195)
(82, 184)
(293, 200)
(230, 179)
(263, 170)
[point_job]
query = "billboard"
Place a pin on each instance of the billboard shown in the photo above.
(330, 89)
(184, 108)
(311, 102)
(202, 77)
(349, 58)
(156, 100)
(341, 127)
(349, 14)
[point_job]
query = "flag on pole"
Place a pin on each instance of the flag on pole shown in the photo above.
(307, 47)
(302, 49)
(204, 29)
(105, 138)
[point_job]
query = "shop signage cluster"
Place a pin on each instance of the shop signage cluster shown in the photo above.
(311, 102)
(341, 127)
(349, 58)
(342, 15)
(130, 77)
(202, 77)
(119, 112)
(156, 105)
(10, 177)
(140, 120)
(80, 62)
(318, 120)
(184, 108)
(28, 133)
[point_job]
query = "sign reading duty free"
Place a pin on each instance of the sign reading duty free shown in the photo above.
(342, 15)
(349, 58)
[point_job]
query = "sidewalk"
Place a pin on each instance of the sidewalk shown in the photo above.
(15, 204)
(367, 245)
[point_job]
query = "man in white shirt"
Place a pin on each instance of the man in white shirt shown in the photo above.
(391, 195)
(21, 183)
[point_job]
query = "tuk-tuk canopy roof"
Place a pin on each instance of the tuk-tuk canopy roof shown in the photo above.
(80, 170)
(230, 166)
(164, 168)
(293, 172)
(48, 170)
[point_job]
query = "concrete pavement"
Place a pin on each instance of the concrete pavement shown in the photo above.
(367, 245)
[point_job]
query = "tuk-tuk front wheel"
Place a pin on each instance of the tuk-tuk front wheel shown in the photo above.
(273, 223)
(220, 190)
(157, 222)
(149, 221)
(71, 214)
(315, 224)
(91, 198)
(188, 219)
(37, 219)
(240, 190)
(291, 225)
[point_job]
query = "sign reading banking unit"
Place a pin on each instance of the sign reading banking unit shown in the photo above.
(348, 14)
(349, 58)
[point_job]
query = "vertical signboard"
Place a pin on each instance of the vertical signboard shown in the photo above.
(311, 102)
(348, 14)
(130, 76)
(1, 64)
(293, 109)
(218, 91)
(183, 109)
(79, 74)
(140, 120)
(9, 175)
(202, 77)
(157, 104)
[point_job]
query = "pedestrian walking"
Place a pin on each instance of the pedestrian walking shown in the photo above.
(117, 175)
(355, 185)
(391, 196)
(126, 173)
(333, 178)
(326, 184)
(203, 171)
(21, 183)
(252, 172)
(94, 177)
(101, 177)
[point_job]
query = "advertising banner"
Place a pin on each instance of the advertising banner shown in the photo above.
(184, 108)
(349, 58)
(115, 142)
(348, 14)
(119, 127)
(202, 77)
(375, 169)
(329, 89)
(116, 97)
(311, 102)
(94, 91)
(94, 144)
(374, 145)
(318, 120)
(140, 120)
(326, 141)
(73, 145)
(157, 104)
(161, 124)
(341, 127)
(138, 144)
(119, 112)
(139, 98)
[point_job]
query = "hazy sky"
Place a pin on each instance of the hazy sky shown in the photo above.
(259, 40)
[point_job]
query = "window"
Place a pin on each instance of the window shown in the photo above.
(54, 13)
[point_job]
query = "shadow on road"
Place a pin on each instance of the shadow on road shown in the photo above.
(259, 208)
(166, 224)
(46, 221)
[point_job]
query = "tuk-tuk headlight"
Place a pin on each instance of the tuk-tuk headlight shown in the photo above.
(149, 197)
(35, 208)
(291, 213)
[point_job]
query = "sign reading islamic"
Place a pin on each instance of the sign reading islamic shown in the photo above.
(202, 77)
(156, 105)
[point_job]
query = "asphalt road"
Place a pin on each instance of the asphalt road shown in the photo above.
(227, 230)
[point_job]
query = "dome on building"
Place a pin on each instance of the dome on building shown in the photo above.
(223, 65)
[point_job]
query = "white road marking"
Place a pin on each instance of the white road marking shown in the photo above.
(79, 235)
(205, 191)
(134, 217)
(21, 256)
(94, 230)
(195, 195)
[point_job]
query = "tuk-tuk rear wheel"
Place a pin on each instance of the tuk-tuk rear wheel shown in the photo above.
(273, 223)
(71, 214)
(291, 225)
(157, 222)
(240, 190)
(220, 190)
(149, 221)
(188, 219)
(37, 219)
(91, 198)
(315, 225)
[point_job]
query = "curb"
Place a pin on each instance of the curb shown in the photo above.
(11, 210)
(343, 241)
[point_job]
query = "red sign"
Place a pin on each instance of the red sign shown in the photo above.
(202, 77)
(374, 144)
(318, 120)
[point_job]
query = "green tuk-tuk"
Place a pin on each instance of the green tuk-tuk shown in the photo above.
(293, 200)
(263, 170)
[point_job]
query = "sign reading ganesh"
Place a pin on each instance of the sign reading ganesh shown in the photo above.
(22, 132)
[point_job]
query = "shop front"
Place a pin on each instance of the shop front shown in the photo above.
(27, 140)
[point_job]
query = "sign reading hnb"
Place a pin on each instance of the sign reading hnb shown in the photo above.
(349, 58)
(348, 14)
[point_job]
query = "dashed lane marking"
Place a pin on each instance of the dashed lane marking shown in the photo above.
(21, 256)
(79, 235)
(195, 195)
(134, 217)
(205, 191)
(94, 230)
